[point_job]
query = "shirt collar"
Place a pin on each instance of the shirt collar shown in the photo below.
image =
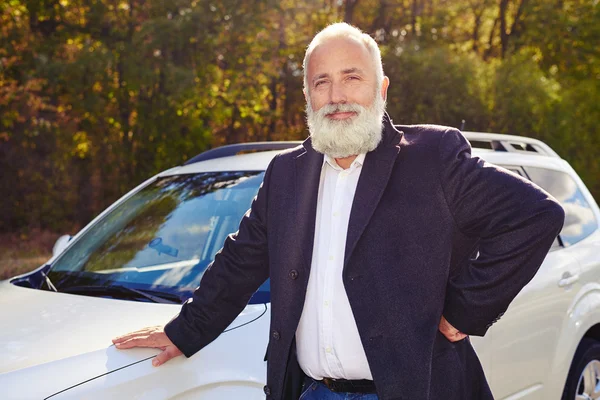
(358, 161)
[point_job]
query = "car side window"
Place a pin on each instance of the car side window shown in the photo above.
(580, 221)
(519, 171)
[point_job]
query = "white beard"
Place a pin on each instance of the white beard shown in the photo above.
(348, 137)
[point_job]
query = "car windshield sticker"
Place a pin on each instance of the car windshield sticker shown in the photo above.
(162, 248)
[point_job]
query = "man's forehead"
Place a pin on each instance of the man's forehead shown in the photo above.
(345, 53)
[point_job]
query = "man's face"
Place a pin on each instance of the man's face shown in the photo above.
(341, 70)
(345, 103)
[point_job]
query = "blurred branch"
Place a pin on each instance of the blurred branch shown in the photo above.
(349, 7)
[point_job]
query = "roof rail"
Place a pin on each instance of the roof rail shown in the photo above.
(510, 143)
(480, 140)
(233, 149)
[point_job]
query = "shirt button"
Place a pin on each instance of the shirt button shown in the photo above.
(326, 303)
(328, 350)
(293, 274)
(335, 214)
(330, 258)
(276, 335)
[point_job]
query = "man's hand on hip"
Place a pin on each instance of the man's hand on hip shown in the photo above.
(153, 336)
(451, 333)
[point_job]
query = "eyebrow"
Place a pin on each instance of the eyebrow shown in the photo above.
(347, 71)
(320, 76)
(353, 71)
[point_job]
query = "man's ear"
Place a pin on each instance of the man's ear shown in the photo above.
(306, 97)
(384, 87)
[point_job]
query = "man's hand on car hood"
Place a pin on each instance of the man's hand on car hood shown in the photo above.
(153, 336)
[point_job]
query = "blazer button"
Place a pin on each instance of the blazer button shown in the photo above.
(293, 274)
(276, 335)
(267, 390)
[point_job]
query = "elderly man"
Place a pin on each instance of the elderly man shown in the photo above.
(367, 232)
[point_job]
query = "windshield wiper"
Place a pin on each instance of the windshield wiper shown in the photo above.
(48, 281)
(152, 295)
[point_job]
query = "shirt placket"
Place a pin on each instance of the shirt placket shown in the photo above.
(333, 265)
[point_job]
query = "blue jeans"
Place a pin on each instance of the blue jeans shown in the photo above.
(313, 390)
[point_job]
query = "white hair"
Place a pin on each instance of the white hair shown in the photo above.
(344, 30)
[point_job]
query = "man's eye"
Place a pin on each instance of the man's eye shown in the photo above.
(319, 83)
(353, 77)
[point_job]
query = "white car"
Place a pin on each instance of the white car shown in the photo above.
(134, 264)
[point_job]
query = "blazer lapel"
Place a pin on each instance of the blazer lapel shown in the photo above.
(373, 179)
(308, 177)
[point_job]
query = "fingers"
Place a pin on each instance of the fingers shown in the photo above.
(453, 336)
(125, 338)
(456, 337)
(150, 337)
(167, 354)
(122, 338)
(139, 333)
(446, 326)
(449, 331)
(137, 342)
(147, 337)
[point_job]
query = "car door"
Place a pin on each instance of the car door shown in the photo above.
(524, 338)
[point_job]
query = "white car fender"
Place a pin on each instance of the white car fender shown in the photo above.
(583, 314)
(231, 367)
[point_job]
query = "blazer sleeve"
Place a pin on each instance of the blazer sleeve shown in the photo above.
(514, 221)
(237, 271)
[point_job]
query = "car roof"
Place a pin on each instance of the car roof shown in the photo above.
(495, 148)
(241, 162)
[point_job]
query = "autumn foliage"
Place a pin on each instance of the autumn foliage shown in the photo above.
(98, 95)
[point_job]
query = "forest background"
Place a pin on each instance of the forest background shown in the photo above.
(98, 95)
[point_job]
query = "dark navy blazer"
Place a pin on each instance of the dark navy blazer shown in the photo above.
(423, 206)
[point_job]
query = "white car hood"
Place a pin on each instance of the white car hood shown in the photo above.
(40, 327)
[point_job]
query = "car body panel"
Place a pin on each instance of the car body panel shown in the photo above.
(582, 315)
(531, 325)
(231, 367)
(68, 337)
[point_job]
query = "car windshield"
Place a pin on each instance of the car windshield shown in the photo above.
(161, 239)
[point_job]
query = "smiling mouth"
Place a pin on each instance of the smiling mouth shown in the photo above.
(341, 115)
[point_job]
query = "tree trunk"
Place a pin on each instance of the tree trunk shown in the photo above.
(476, 26)
(380, 20)
(503, 32)
(488, 51)
(413, 16)
(349, 10)
(517, 25)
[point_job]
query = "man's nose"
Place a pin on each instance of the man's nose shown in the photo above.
(337, 93)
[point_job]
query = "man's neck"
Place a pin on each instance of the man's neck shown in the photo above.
(345, 162)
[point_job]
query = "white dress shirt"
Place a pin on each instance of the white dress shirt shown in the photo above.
(327, 340)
